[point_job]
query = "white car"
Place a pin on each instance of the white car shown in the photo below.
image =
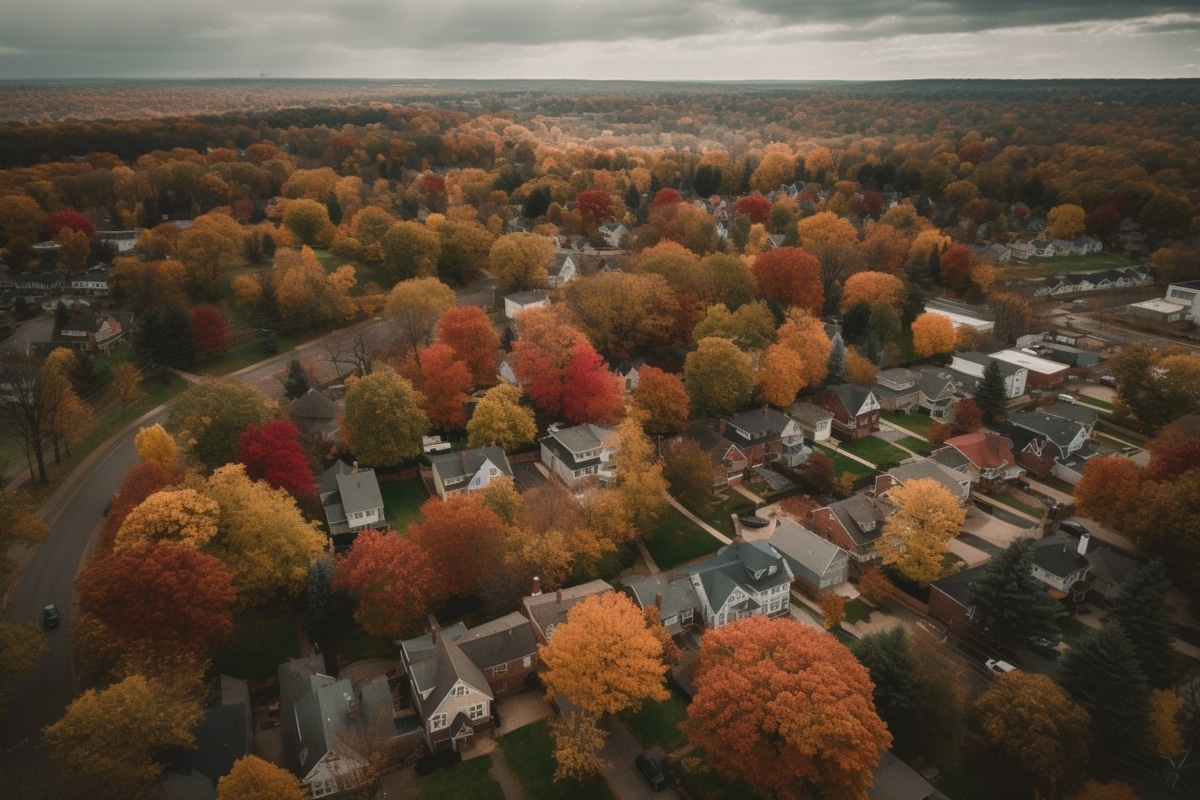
(995, 665)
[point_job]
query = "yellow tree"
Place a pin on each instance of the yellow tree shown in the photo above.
(717, 376)
(384, 420)
(127, 383)
(500, 419)
(804, 334)
(914, 538)
(932, 334)
(834, 242)
(521, 261)
(874, 289)
(860, 370)
(775, 168)
(75, 246)
(411, 250)
(69, 418)
(780, 376)
(254, 779)
(577, 741)
(208, 249)
(308, 220)
(175, 515)
(1065, 221)
(603, 658)
(21, 647)
(414, 306)
(640, 485)
(1163, 734)
(156, 446)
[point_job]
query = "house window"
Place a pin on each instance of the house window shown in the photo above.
(500, 669)
(476, 711)
(458, 691)
(527, 662)
(686, 617)
(670, 621)
(437, 722)
(493, 472)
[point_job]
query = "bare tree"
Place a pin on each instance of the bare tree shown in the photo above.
(30, 399)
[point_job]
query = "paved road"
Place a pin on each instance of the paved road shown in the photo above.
(37, 329)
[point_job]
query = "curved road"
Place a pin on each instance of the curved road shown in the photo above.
(74, 513)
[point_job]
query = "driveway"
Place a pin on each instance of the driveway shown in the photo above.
(37, 329)
(998, 531)
(620, 749)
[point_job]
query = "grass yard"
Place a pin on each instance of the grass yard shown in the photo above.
(1095, 402)
(402, 502)
(842, 464)
(1057, 483)
(1125, 435)
(357, 645)
(263, 638)
(676, 540)
(1005, 498)
(858, 610)
(952, 564)
(364, 272)
(467, 780)
(529, 752)
(918, 446)
(658, 723)
(248, 352)
(1071, 629)
(1041, 267)
(708, 784)
(920, 424)
(875, 450)
(719, 515)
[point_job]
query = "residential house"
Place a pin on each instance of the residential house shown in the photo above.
(729, 461)
(971, 364)
(774, 240)
(315, 416)
(468, 470)
(615, 234)
(1074, 413)
(994, 253)
(1185, 294)
(817, 564)
(939, 392)
(674, 595)
(957, 482)
(562, 271)
(224, 735)
(1042, 373)
(1109, 570)
(897, 390)
(1060, 562)
(892, 779)
(1066, 354)
(332, 728)
(351, 498)
(949, 600)
(507, 373)
(504, 649)
(124, 241)
(816, 422)
(1156, 310)
(1083, 245)
(1033, 450)
(963, 315)
(91, 331)
(580, 455)
(1021, 250)
(855, 409)
(451, 694)
(765, 436)
(629, 373)
(517, 302)
(987, 457)
(91, 282)
(546, 611)
(36, 282)
(853, 524)
(1061, 247)
(1064, 434)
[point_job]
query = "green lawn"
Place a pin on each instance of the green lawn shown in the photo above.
(708, 784)
(916, 422)
(918, 446)
(858, 610)
(1084, 399)
(1071, 629)
(676, 539)
(657, 724)
(357, 645)
(364, 272)
(875, 450)
(402, 502)
(247, 352)
(1058, 483)
(1005, 498)
(952, 564)
(719, 515)
(529, 752)
(1038, 267)
(842, 464)
(263, 638)
(468, 780)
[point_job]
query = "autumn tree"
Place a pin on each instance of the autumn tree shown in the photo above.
(754, 206)
(750, 327)
(833, 241)
(833, 607)
(780, 376)
(460, 537)
(209, 417)
(640, 486)
(1065, 221)
(464, 250)
(790, 277)
(604, 659)
(914, 538)
(1114, 790)
(622, 313)
(1101, 672)
(252, 778)
(182, 516)
(414, 306)
(35, 396)
(110, 737)
(689, 471)
(306, 296)
(166, 593)
(411, 250)
(873, 288)
(577, 742)
(1013, 315)
(1010, 603)
(309, 222)
(594, 207)
(889, 659)
(787, 709)
(391, 581)
(272, 453)
(662, 401)
(521, 261)
(265, 561)
(860, 370)
(155, 446)
(933, 334)
(469, 332)
(1026, 734)
(722, 278)
(500, 419)
(127, 384)
(1155, 388)
(717, 376)
(21, 647)
(544, 347)
(384, 420)
(210, 329)
(965, 418)
(443, 381)
(590, 393)
(208, 250)
(1111, 489)
(955, 266)
(1163, 736)
(804, 334)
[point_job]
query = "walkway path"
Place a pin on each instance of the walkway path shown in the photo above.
(905, 431)
(720, 537)
(646, 557)
(503, 775)
(847, 454)
(190, 377)
(744, 492)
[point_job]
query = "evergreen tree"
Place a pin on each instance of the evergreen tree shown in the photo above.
(1101, 672)
(296, 382)
(884, 325)
(179, 342)
(889, 659)
(837, 361)
(537, 203)
(632, 198)
(990, 394)
(1139, 610)
(1010, 603)
(61, 316)
(334, 208)
(914, 303)
(854, 324)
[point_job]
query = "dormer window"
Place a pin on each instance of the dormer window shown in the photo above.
(773, 569)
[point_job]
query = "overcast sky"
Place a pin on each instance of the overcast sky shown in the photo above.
(600, 39)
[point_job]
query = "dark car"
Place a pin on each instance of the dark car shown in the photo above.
(754, 521)
(50, 616)
(651, 771)
(1072, 527)
(1109, 381)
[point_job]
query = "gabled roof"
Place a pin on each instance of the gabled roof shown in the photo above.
(734, 565)
(984, 450)
(314, 405)
(916, 470)
(1021, 438)
(851, 396)
(1059, 555)
(1070, 412)
(765, 421)
(527, 298)
(468, 462)
(441, 667)
(359, 491)
(548, 610)
(1108, 565)
(857, 511)
(801, 547)
(1060, 431)
(936, 382)
(958, 585)
(569, 442)
(497, 642)
(983, 359)
(711, 442)
(678, 593)
(811, 414)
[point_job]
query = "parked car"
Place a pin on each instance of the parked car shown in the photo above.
(754, 521)
(1108, 380)
(651, 770)
(999, 667)
(1072, 527)
(50, 616)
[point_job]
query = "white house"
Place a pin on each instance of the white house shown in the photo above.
(581, 454)
(522, 301)
(962, 315)
(562, 270)
(972, 363)
(468, 470)
(615, 234)
(1185, 294)
(816, 422)
(93, 281)
(351, 498)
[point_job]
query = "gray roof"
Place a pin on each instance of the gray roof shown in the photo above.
(710, 441)
(498, 642)
(527, 298)
(950, 457)
(468, 462)
(297, 678)
(1072, 413)
(810, 414)
(314, 405)
(915, 470)
(1108, 565)
(546, 610)
(1059, 431)
(983, 359)
(761, 421)
(678, 594)
(1059, 555)
(936, 383)
(800, 546)
(958, 585)
(435, 667)
(354, 490)
(895, 780)
(851, 396)
(856, 511)
(734, 565)
(581, 438)
(560, 260)
(897, 375)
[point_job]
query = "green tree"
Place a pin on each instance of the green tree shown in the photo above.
(1101, 672)
(1010, 603)
(308, 221)
(889, 659)
(836, 372)
(296, 384)
(209, 417)
(411, 250)
(690, 472)
(1140, 609)
(500, 419)
(521, 261)
(384, 422)
(414, 306)
(718, 377)
(990, 394)
(464, 252)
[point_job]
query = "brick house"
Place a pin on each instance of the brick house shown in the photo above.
(854, 524)
(898, 390)
(766, 435)
(855, 409)
(988, 457)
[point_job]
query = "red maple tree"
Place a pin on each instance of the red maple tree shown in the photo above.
(470, 333)
(955, 266)
(593, 207)
(791, 277)
(70, 218)
(391, 579)
(754, 206)
(210, 328)
(272, 453)
(590, 392)
(443, 380)
(666, 197)
(460, 536)
(1168, 462)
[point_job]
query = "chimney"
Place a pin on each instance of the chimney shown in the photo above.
(558, 596)
(537, 586)
(1084, 541)
(658, 601)
(354, 469)
(433, 635)
(353, 710)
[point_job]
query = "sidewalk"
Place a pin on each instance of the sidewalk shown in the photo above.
(840, 451)
(720, 537)
(903, 430)
(744, 492)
